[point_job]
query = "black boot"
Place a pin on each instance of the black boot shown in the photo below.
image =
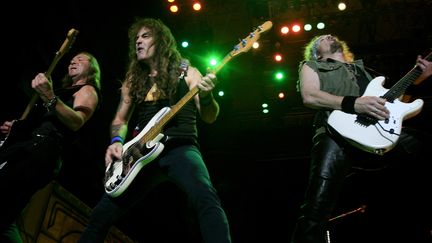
(320, 201)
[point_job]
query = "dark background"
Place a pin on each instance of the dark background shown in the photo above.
(258, 162)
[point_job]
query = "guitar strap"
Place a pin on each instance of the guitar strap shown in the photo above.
(361, 78)
(374, 72)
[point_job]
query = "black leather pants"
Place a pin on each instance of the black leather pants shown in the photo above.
(330, 165)
(331, 161)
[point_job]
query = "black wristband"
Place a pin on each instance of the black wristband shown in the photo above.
(347, 104)
(50, 105)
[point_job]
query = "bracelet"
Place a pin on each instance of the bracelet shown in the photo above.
(207, 100)
(117, 139)
(347, 104)
(50, 105)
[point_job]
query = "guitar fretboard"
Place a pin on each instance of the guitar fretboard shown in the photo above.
(400, 87)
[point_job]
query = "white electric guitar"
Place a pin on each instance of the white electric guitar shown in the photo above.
(147, 145)
(373, 135)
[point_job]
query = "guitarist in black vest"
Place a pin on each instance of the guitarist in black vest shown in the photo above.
(30, 159)
(330, 79)
(158, 77)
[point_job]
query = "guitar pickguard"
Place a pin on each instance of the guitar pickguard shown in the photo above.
(137, 153)
(368, 133)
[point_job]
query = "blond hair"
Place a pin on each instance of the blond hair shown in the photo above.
(311, 49)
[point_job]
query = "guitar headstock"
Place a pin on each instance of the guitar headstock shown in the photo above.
(67, 44)
(246, 44)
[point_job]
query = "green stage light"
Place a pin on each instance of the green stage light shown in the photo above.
(279, 76)
(213, 62)
(185, 44)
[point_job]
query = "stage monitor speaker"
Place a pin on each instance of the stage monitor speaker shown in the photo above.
(55, 215)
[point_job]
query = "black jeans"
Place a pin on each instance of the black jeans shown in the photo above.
(331, 161)
(182, 165)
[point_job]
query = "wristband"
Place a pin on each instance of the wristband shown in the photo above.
(347, 104)
(50, 105)
(117, 139)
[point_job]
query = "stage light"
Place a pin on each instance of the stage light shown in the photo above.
(184, 44)
(174, 8)
(284, 30)
(255, 45)
(341, 6)
(171, 1)
(213, 62)
(296, 28)
(277, 57)
(320, 25)
(281, 95)
(196, 6)
(265, 107)
(279, 76)
(307, 27)
(211, 59)
(221, 93)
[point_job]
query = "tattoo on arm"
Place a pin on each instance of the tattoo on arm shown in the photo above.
(115, 130)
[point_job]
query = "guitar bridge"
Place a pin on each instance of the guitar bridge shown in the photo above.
(366, 120)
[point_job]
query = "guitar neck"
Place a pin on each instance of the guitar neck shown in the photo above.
(242, 47)
(400, 87)
(157, 128)
(29, 106)
(59, 54)
(35, 96)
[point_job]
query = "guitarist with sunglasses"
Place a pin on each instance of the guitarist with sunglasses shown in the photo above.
(331, 80)
(31, 158)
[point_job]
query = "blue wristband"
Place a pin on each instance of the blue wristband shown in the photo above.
(117, 139)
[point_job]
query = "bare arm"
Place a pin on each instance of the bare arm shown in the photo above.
(207, 106)
(315, 98)
(119, 125)
(85, 102)
(311, 93)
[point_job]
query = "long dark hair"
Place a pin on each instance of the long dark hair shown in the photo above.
(167, 59)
